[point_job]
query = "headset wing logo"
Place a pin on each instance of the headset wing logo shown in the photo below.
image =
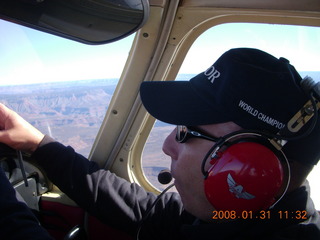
(237, 190)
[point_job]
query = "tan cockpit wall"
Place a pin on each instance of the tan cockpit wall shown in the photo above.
(157, 54)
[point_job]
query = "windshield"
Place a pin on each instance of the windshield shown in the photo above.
(60, 86)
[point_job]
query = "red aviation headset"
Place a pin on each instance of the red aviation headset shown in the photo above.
(249, 171)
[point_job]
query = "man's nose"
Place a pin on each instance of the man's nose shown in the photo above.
(169, 146)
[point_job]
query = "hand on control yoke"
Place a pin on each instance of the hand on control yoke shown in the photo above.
(16, 132)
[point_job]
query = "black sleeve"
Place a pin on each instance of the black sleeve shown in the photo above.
(16, 219)
(110, 198)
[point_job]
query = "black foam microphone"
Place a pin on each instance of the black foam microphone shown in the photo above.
(164, 176)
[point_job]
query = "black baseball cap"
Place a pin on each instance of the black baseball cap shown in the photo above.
(247, 86)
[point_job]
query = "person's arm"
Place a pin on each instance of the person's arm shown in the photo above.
(112, 199)
(16, 219)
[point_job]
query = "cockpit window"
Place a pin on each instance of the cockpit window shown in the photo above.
(299, 44)
(60, 86)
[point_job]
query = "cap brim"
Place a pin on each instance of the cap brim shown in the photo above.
(176, 102)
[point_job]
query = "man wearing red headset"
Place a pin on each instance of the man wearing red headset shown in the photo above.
(246, 138)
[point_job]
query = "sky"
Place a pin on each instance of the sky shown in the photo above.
(30, 56)
(299, 44)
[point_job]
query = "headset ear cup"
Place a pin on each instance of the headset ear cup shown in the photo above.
(246, 176)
